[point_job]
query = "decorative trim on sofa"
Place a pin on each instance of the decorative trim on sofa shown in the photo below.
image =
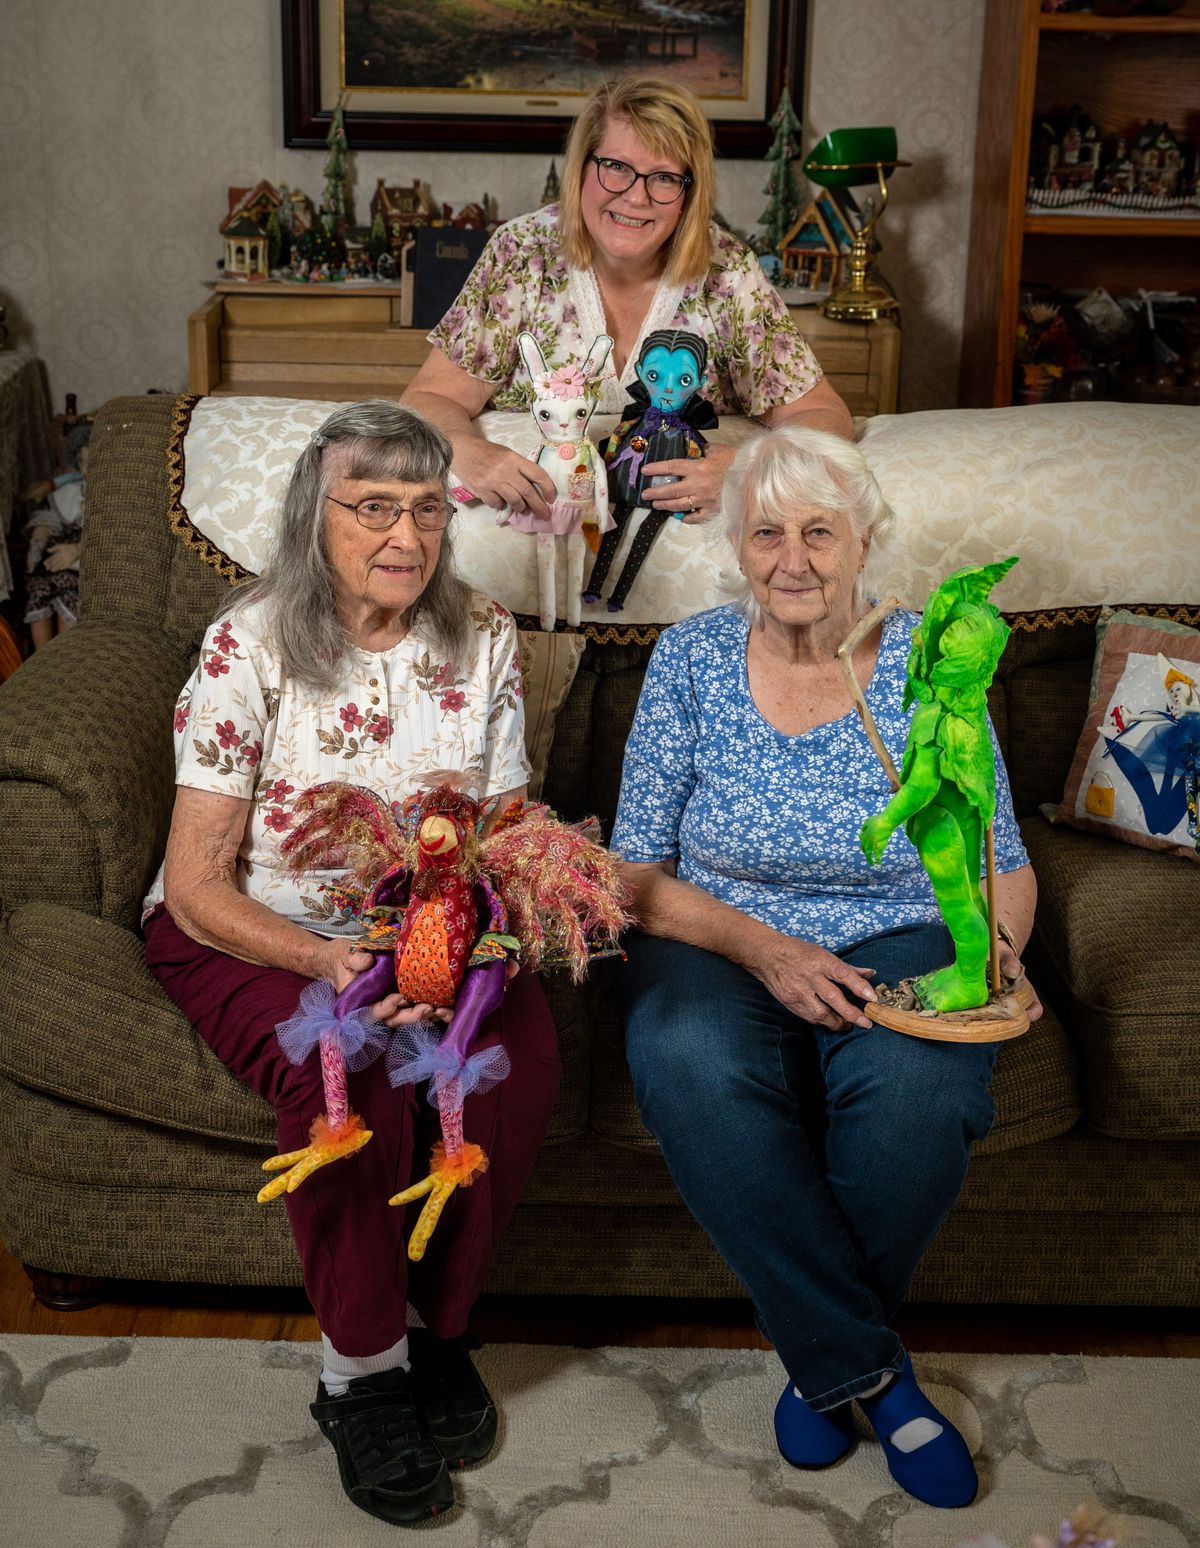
(1054, 617)
(1021, 623)
(600, 634)
(181, 523)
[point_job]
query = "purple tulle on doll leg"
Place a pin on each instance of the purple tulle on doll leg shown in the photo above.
(423, 1051)
(320, 1018)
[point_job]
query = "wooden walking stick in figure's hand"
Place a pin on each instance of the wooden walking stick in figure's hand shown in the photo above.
(945, 797)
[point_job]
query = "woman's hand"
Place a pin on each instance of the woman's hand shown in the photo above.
(697, 490)
(61, 556)
(501, 477)
(813, 983)
(1012, 968)
(395, 1011)
(346, 960)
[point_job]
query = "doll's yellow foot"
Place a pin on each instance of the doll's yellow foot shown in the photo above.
(328, 1144)
(447, 1173)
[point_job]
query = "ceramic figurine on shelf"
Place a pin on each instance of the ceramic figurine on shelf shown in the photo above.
(661, 421)
(564, 401)
(945, 798)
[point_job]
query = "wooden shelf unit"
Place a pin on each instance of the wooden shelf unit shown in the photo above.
(291, 341)
(1120, 70)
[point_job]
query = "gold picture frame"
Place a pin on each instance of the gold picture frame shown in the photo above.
(738, 68)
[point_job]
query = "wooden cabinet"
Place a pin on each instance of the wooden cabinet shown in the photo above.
(1120, 70)
(317, 341)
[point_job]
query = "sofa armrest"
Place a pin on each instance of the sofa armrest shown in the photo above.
(87, 769)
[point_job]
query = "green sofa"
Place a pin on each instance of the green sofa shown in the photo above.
(127, 1150)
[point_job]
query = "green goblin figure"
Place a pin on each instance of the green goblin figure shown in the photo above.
(947, 791)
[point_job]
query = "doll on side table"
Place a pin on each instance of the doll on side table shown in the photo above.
(55, 531)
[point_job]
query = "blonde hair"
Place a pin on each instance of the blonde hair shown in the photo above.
(671, 122)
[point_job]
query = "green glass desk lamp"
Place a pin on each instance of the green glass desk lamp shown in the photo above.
(850, 158)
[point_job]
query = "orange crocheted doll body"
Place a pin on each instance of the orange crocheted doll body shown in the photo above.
(440, 925)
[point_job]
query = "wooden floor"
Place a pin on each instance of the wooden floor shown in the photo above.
(205, 1311)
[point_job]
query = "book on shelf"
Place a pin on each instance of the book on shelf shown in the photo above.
(435, 266)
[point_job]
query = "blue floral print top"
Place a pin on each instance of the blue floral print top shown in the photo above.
(766, 822)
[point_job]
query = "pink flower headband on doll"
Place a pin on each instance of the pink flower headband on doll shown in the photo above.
(567, 382)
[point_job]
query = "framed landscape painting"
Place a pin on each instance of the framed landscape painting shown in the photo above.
(509, 75)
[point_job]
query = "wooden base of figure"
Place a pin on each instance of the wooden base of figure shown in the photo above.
(1005, 1015)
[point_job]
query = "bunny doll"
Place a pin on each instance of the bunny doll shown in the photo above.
(564, 400)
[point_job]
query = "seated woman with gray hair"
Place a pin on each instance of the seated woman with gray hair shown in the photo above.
(358, 655)
(819, 1151)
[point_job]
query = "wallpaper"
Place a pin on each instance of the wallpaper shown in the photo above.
(124, 123)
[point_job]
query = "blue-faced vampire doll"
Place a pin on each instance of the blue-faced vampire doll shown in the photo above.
(662, 420)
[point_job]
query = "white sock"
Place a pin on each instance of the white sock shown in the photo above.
(340, 1370)
(413, 1317)
(917, 1432)
(914, 1434)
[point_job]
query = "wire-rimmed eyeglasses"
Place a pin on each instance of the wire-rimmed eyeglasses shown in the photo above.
(619, 177)
(378, 515)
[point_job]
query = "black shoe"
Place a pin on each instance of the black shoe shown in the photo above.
(455, 1407)
(387, 1462)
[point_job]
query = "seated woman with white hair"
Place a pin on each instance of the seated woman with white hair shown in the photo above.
(819, 1151)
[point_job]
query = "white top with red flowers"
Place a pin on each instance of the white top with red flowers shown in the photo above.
(400, 716)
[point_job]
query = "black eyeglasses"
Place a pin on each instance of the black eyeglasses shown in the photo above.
(619, 177)
(378, 515)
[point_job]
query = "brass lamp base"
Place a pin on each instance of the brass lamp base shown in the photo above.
(861, 306)
(856, 298)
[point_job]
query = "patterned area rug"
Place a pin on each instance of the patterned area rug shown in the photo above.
(204, 1443)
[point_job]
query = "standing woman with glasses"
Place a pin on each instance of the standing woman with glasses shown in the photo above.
(358, 655)
(630, 248)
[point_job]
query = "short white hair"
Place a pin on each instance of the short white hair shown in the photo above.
(791, 467)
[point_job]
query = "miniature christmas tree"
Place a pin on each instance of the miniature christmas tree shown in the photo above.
(781, 187)
(276, 249)
(333, 199)
(377, 243)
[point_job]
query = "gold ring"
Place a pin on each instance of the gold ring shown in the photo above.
(693, 503)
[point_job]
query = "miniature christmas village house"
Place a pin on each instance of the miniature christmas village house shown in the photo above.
(1068, 151)
(1157, 158)
(252, 223)
(401, 210)
(246, 249)
(823, 234)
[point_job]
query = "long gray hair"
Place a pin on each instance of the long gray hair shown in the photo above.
(791, 467)
(372, 440)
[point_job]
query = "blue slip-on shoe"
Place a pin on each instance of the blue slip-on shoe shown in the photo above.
(809, 1439)
(924, 1453)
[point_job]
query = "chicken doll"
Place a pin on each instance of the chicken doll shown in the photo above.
(448, 910)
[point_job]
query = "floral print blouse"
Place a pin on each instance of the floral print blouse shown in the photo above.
(766, 822)
(757, 358)
(244, 729)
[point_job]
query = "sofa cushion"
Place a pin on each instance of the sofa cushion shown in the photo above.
(1118, 926)
(81, 1017)
(1036, 1086)
(549, 662)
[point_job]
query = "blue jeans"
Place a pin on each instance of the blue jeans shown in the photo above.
(820, 1163)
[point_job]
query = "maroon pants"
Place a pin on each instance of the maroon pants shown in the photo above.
(350, 1240)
